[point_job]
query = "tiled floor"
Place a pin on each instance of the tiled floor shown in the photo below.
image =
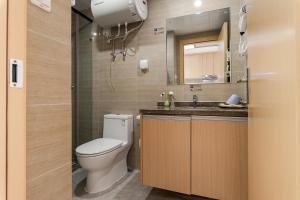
(129, 188)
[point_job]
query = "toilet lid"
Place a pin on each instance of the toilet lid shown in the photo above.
(99, 146)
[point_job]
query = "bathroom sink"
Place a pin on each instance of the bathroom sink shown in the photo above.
(191, 105)
(197, 108)
(196, 105)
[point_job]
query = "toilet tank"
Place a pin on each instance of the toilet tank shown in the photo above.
(119, 127)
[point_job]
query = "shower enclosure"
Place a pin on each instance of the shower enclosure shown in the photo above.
(81, 82)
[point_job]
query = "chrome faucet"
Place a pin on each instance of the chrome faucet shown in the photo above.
(195, 100)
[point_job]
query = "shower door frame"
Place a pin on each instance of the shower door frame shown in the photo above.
(75, 75)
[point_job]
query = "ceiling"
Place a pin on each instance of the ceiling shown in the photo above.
(197, 23)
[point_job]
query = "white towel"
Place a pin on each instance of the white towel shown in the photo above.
(243, 19)
(243, 23)
(243, 46)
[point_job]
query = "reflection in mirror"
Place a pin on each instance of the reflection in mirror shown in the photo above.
(198, 48)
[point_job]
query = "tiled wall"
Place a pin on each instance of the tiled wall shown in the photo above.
(49, 102)
(135, 90)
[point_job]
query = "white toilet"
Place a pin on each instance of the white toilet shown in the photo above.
(105, 158)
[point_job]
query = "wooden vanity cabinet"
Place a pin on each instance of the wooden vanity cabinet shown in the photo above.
(204, 156)
(165, 150)
(219, 158)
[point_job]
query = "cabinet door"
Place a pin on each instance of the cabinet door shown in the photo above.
(166, 153)
(219, 158)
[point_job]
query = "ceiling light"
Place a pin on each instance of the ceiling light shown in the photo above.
(197, 3)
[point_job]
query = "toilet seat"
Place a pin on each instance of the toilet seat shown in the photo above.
(98, 147)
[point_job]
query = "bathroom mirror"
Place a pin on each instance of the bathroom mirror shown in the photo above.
(199, 48)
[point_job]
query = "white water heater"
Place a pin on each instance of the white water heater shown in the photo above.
(109, 13)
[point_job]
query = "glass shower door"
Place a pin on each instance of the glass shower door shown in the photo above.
(81, 83)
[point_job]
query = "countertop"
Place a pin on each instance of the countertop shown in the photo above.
(202, 109)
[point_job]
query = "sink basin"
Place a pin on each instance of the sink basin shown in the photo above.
(192, 105)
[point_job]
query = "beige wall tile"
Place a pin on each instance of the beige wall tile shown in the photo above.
(55, 25)
(48, 138)
(49, 72)
(54, 185)
(49, 102)
(45, 46)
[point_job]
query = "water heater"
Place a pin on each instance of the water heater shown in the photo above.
(109, 13)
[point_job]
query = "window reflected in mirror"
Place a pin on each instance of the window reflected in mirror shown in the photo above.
(205, 58)
(198, 48)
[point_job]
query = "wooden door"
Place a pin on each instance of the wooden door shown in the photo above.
(274, 120)
(3, 96)
(219, 158)
(166, 153)
(16, 106)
